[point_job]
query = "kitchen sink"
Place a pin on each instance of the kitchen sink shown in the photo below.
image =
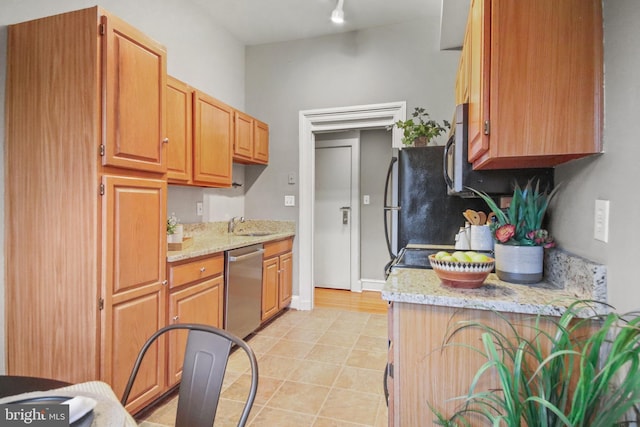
(255, 233)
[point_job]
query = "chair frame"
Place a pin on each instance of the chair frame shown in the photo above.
(221, 345)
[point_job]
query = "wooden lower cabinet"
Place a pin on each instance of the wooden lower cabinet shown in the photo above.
(425, 372)
(277, 275)
(196, 296)
(132, 322)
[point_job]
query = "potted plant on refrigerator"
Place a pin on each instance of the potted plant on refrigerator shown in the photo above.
(519, 237)
(420, 129)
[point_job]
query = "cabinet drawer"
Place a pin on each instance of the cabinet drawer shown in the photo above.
(276, 248)
(191, 271)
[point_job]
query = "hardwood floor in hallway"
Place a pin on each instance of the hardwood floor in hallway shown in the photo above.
(365, 301)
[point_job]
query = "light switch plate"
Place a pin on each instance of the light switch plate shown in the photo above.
(601, 221)
(199, 208)
(289, 200)
(366, 199)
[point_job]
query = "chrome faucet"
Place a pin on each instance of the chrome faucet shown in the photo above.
(232, 223)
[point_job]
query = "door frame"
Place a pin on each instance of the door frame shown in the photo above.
(355, 284)
(325, 120)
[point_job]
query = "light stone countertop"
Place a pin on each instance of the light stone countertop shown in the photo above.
(569, 278)
(210, 238)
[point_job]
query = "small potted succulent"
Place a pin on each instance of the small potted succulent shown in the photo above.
(174, 229)
(518, 233)
(420, 129)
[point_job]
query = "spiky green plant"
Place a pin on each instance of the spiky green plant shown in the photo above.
(539, 387)
(521, 224)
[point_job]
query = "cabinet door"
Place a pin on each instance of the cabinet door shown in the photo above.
(261, 142)
(478, 74)
(243, 145)
(270, 285)
(286, 280)
(133, 279)
(179, 131)
(134, 232)
(134, 82)
(213, 137)
(131, 322)
(201, 303)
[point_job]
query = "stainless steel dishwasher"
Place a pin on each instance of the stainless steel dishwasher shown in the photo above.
(243, 289)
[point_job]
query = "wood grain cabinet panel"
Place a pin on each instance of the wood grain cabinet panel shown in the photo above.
(135, 89)
(213, 141)
(131, 323)
(261, 142)
(270, 274)
(179, 131)
(286, 280)
(86, 199)
(199, 303)
(243, 145)
(277, 274)
(135, 232)
(251, 140)
(535, 80)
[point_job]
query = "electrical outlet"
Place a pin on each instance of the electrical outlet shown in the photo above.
(289, 200)
(601, 221)
(199, 208)
(365, 199)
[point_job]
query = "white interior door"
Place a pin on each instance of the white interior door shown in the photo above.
(332, 233)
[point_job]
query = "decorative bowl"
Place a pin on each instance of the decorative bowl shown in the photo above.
(465, 275)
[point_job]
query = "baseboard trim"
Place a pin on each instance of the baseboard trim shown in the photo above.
(372, 284)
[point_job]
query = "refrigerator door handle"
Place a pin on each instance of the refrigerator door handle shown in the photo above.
(387, 231)
(445, 164)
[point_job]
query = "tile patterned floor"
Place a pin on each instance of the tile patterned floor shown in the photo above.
(317, 368)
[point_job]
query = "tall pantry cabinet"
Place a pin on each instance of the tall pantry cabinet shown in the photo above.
(85, 200)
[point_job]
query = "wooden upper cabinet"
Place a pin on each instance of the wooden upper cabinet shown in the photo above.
(535, 82)
(179, 131)
(243, 145)
(477, 66)
(251, 140)
(213, 140)
(134, 69)
(261, 142)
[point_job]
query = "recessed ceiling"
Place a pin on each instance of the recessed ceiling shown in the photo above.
(266, 21)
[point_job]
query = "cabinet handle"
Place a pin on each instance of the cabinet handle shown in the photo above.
(165, 141)
(175, 319)
(202, 269)
(164, 283)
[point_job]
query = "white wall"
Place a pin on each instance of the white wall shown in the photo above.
(613, 175)
(198, 53)
(390, 63)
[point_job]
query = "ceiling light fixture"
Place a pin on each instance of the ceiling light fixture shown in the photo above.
(337, 16)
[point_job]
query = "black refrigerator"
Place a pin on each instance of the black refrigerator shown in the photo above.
(426, 215)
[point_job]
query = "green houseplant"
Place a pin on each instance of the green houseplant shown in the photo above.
(577, 375)
(518, 233)
(420, 128)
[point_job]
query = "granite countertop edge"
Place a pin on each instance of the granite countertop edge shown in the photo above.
(424, 287)
(211, 238)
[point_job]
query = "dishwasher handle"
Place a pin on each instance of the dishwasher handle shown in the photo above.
(246, 256)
